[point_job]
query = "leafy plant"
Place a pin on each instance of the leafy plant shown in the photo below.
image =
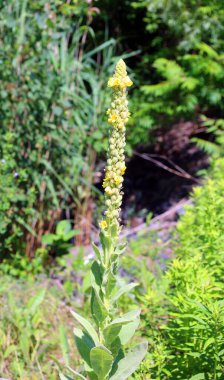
(102, 349)
(24, 328)
(183, 310)
(183, 49)
(21, 266)
(51, 95)
(60, 242)
(30, 328)
(215, 128)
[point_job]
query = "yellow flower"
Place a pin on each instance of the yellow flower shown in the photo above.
(117, 180)
(108, 190)
(106, 179)
(118, 115)
(108, 176)
(120, 82)
(123, 168)
(120, 125)
(112, 119)
(128, 82)
(103, 224)
(113, 82)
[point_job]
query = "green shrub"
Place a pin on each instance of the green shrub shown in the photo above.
(183, 311)
(184, 54)
(32, 341)
(200, 230)
(51, 95)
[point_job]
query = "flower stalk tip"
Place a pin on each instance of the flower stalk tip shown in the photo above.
(118, 115)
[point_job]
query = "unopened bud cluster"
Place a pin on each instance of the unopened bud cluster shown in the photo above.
(118, 116)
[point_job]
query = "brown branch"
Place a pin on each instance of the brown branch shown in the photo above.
(177, 171)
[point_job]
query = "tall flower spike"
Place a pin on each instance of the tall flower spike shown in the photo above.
(118, 116)
(103, 349)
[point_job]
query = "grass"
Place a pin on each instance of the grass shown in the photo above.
(33, 343)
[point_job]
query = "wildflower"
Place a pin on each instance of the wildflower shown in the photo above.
(3, 161)
(118, 115)
(121, 82)
(108, 190)
(113, 82)
(103, 224)
(117, 179)
(16, 174)
(122, 169)
(107, 345)
(112, 118)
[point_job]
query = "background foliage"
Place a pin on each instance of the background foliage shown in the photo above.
(55, 60)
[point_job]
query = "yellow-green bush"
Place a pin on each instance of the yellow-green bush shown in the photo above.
(187, 339)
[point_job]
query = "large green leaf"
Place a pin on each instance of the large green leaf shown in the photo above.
(129, 363)
(101, 361)
(87, 326)
(112, 331)
(111, 281)
(84, 344)
(124, 289)
(128, 330)
(63, 227)
(98, 252)
(96, 276)
(105, 241)
(98, 309)
(128, 317)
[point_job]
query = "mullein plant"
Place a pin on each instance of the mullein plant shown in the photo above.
(103, 347)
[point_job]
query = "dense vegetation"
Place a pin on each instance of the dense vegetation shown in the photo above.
(56, 58)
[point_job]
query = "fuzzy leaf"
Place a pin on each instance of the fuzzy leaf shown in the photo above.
(101, 362)
(124, 289)
(128, 330)
(130, 362)
(110, 284)
(105, 241)
(128, 317)
(87, 326)
(120, 249)
(97, 251)
(98, 309)
(122, 328)
(96, 276)
(84, 344)
(114, 230)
